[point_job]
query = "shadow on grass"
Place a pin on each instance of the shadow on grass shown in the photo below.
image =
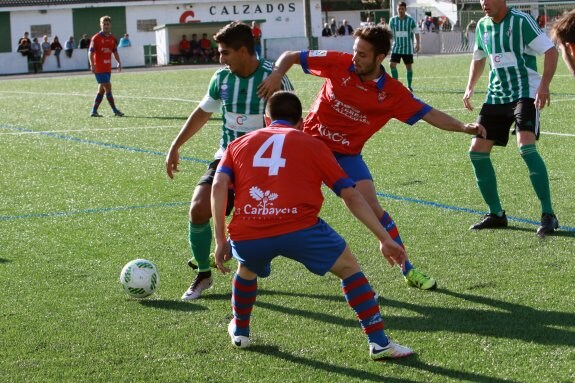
(172, 305)
(412, 362)
(505, 320)
(4, 260)
(558, 233)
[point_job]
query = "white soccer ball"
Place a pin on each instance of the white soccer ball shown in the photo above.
(140, 278)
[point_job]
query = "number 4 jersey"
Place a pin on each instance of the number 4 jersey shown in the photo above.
(277, 174)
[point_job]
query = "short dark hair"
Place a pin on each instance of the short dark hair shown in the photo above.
(563, 30)
(378, 36)
(236, 35)
(402, 4)
(284, 105)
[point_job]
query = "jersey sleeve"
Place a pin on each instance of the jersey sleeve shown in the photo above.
(540, 44)
(226, 164)
(478, 50)
(212, 102)
(318, 63)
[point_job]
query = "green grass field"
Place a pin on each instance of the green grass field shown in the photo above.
(80, 197)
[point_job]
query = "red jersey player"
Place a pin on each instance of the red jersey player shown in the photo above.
(102, 47)
(356, 100)
(273, 218)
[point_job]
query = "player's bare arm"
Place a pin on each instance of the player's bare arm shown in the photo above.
(273, 82)
(445, 122)
(219, 201)
(117, 57)
(475, 71)
(193, 124)
(543, 95)
(393, 253)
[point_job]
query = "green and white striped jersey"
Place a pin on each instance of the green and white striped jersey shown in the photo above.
(236, 97)
(403, 33)
(511, 47)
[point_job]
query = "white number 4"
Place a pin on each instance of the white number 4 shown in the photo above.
(275, 162)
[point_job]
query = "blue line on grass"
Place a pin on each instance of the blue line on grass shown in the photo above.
(115, 146)
(99, 143)
(84, 211)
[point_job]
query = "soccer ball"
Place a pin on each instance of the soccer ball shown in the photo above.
(140, 278)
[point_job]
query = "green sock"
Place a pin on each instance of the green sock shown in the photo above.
(409, 78)
(394, 73)
(486, 180)
(200, 243)
(538, 175)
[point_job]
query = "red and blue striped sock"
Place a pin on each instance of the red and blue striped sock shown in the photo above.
(97, 102)
(111, 101)
(360, 297)
(389, 225)
(244, 292)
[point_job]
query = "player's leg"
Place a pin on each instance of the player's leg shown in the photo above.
(356, 169)
(244, 293)
(100, 95)
(200, 233)
(360, 297)
(110, 98)
(393, 61)
(496, 120)
(413, 277)
(527, 123)
(408, 60)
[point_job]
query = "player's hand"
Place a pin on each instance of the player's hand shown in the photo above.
(416, 49)
(542, 97)
(393, 253)
(222, 253)
(475, 129)
(467, 98)
(119, 67)
(172, 161)
(270, 85)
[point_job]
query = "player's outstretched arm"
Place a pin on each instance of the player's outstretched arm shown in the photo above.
(273, 82)
(444, 121)
(355, 202)
(219, 200)
(193, 124)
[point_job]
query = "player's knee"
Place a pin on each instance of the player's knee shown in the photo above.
(199, 213)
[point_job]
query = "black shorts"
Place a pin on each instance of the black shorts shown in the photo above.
(208, 179)
(396, 58)
(498, 118)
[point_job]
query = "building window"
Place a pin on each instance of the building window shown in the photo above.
(146, 25)
(41, 30)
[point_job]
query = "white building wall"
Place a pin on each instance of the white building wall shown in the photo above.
(59, 19)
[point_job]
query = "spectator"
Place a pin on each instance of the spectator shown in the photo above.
(125, 41)
(56, 47)
(326, 31)
(563, 33)
(345, 29)
(382, 22)
(206, 47)
(195, 51)
(24, 47)
(69, 46)
(26, 37)
(367, 23)
(469, 39)
(35, 54)
(297, 232)
(184, 48)
(84, 42)
(46, 48)
(257, 33)
(429, 23)
(333, 27)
